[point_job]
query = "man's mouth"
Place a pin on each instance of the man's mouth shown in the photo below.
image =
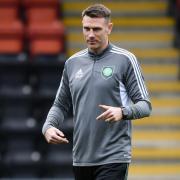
(92, 42)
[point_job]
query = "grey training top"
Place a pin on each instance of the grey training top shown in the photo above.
(112, 78)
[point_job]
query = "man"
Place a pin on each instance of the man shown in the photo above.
(106, 89)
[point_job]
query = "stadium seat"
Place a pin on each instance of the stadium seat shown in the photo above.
(46, 39)
(11, 29)
(14, 29)
(48, 47)
(41, 14)
(178, 3)
(58, 155)
(8, 13)
(32, 3)
(21, 157)
(12, 82)
(54, 29)
(11, 46)
(45, 33)
(9, 2)
(19, 125)
(45, 84)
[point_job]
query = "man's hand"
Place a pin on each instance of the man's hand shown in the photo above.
(110, 113)
(55, 136)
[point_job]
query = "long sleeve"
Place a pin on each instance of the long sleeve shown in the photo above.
(137, 91)
(61, 106)
(138, 110)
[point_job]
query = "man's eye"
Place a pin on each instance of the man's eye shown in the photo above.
(86, 29)
(96, 29)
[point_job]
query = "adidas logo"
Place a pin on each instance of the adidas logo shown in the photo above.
(79, 74)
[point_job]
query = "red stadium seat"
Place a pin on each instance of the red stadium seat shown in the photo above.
(41, 14)
(54, 29)
(33, 3)
(9, 2)
(45, 32)
(11, 37)
(11, 46)
(11, 28)
(178, 4)
(14, 29)
(46, 47)
(46, 38)
(8, 13)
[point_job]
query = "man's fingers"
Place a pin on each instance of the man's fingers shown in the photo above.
(110, 119)
(58, 139)
(55, 142)
(55, 136)
(110, 114)
(60, 133)
(104, 107)
(61, 136)
(64, 140)
(104, 115)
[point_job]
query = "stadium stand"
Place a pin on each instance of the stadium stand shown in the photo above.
(28, 85)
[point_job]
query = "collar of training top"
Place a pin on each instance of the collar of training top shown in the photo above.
(101, 54)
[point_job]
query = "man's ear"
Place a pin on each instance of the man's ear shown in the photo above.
(110, 26)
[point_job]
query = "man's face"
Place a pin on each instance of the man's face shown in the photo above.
(96, 31)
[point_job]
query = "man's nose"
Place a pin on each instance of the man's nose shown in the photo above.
(91, 33)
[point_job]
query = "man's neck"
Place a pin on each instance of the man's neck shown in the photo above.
(100, 50)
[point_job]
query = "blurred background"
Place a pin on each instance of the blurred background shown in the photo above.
(36, 38)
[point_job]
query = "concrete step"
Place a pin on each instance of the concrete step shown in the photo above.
(142, 44)
(128, 22)
(156, 53)
(128, 39)
(162, 111)
(154, 171)
(170, 30)
(162, 144)
(163, 69)
(163, 72)
(158, 121)
(156, 135)
(120, 30)
(129, 36)
(159, 78)
(154, 177)
(128, 44)
(170, 53)
(164, 87)
(166, 102)
(156, 153)
(74, 8)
